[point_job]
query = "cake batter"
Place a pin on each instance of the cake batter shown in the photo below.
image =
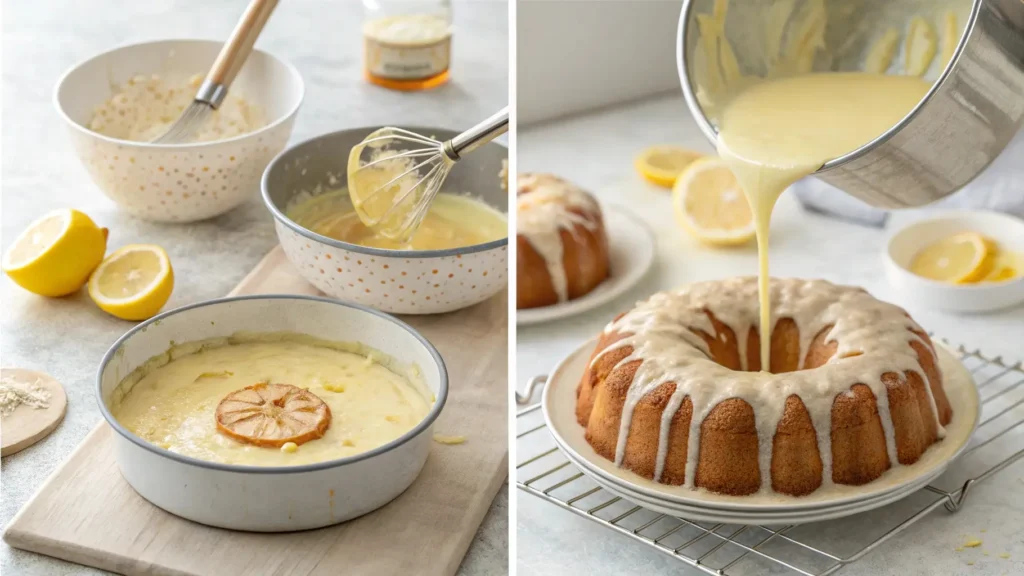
(172, 404)
(451, 222)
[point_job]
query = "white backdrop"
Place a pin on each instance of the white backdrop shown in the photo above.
(576, 55)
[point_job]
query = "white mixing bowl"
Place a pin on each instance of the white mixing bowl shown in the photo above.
(178, 182)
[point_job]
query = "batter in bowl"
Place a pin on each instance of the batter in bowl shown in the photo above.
(452, 221)
(271, 400)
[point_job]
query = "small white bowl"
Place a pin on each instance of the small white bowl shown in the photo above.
(272, 498)
(178, 182)
(1008, 231)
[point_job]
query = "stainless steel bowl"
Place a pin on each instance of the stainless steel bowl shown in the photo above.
(396, 281)
(973, 110)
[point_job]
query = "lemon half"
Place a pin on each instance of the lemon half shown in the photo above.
(55, 254)
(960, 259)
(661, 165)
(710, 204)
(134, 282)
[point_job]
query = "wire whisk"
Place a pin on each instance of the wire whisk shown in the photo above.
(215, 86)
(394, 174)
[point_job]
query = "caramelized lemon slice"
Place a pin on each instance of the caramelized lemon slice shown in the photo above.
(272, 415)
(960, 259)
(709, 202)
(662, 164)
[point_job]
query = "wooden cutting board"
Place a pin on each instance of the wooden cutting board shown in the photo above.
(87, 513)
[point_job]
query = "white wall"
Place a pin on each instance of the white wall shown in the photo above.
(575, 55)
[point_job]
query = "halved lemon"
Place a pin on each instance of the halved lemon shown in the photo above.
(56, 254)
(272, 415)
(134, 282)
(960, 259)
(661, 165)
(710, 204)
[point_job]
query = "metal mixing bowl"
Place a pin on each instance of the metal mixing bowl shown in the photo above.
(973, 110)
(396, 281)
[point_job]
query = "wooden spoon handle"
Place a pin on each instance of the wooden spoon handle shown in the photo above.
(238, 47)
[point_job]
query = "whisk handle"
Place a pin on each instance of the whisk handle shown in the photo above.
(478, 135)
(235, 52)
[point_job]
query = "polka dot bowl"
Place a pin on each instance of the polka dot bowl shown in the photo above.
(178, 182)
(396, 281)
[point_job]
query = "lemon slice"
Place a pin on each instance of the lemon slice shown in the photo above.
(709, 202)
(273, 415)
(55, 254)
(661, 165)
(960, 259)
(1005, 266)
(134, 282)
(920, 47)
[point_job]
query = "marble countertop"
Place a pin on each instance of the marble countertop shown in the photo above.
(66, 337)
(596, 151)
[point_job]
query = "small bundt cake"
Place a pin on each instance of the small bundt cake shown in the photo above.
(562, 246)
(673, 391)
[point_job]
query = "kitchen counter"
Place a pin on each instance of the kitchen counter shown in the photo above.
(597, 151)
(66, 337)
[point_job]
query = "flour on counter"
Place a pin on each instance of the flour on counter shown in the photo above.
(14, 394)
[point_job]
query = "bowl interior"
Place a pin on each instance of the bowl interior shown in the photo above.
(264, 80)
(1008, 231)
(321, 164)
(317, 317)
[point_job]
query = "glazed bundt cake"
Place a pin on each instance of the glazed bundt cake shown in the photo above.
(562, 246)
(673, 390)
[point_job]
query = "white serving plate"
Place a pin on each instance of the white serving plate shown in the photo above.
(263, 498)
(631, 254)
(178, 182)
(758, 518)
(1007, 230)
(558, 403)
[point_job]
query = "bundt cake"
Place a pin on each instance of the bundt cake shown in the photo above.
(673, 390)
(562, 246)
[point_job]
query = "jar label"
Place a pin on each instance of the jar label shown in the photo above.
(406, 62)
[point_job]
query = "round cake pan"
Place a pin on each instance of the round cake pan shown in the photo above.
(396, 281)
(272, 499)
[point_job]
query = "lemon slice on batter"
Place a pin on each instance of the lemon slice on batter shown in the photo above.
(134, 282)
(661, 165)
(273, 415)
(710, 204)
(960, 259)
(55, 254)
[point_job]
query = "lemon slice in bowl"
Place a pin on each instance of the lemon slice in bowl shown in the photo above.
(273, 415)
(661, 165)
(960, 259)
(56, 254)
(134, 282)
(1005, 266)
(710, 204)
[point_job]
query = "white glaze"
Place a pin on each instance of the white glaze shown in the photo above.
(659, 331)
(553, 205)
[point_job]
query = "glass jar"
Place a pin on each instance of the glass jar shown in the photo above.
(407, 43)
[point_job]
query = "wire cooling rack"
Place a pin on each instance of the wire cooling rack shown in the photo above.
(810, 549)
